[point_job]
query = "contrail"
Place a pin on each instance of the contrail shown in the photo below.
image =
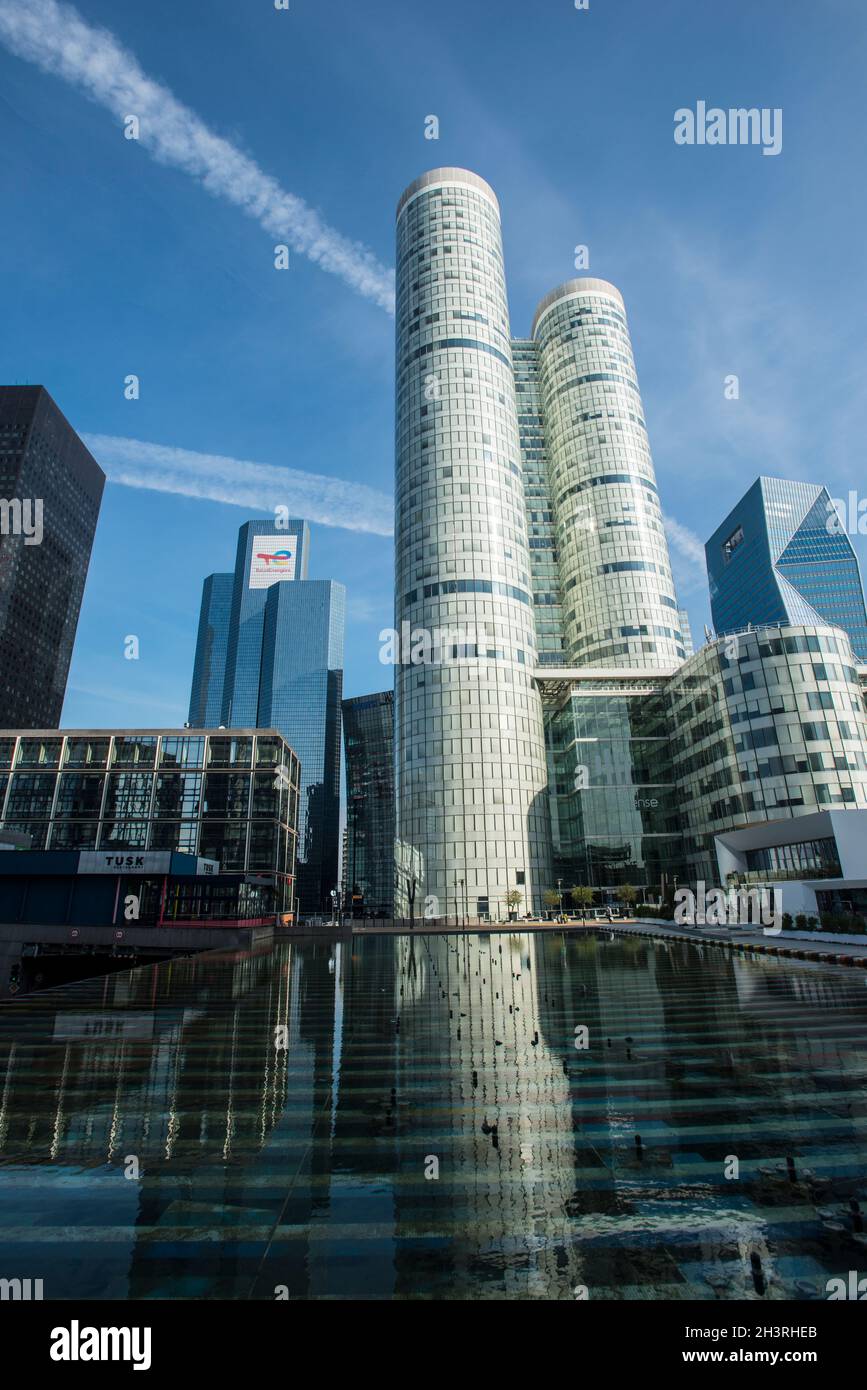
(262, 486)
(57, 39)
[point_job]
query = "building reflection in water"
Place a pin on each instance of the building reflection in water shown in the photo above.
(430, 1128)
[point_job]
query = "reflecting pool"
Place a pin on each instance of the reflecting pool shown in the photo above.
(419, 1117)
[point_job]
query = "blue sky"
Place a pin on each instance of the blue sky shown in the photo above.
(117, 262)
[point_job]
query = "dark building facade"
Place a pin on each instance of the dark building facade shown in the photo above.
(368, 736)
(272, 656)
(209, 669)
(50, 493)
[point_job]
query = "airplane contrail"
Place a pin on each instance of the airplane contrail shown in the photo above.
(58, 40)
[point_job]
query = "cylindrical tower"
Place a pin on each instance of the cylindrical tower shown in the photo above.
(472, 819)
(619, 604)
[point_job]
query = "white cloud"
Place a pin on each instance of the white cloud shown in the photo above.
(688, 557)
(57, 39)
(262, 486)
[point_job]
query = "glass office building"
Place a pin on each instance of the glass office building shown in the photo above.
(781, 556)
(51, 488)
(368, 737)
(212, 644)
(617, 594)
(526, 509)
(283, 669)
(231, 797)
(766, 726)
(612, 785)
(757, 727)
(470, 751)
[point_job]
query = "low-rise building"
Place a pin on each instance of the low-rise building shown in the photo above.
(194, 825)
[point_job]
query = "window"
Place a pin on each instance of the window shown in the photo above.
(730, 546)
(128, 794)
(230, 752)
(226, 795)
(132, 752)
(79, 795)
(178, 794)
(86, 752)
(30, 794)
(39, 752)
(182, 752)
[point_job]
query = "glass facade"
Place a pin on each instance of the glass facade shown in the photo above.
(470, 751)
(212, 641)
(542, 540)
(156, 791)
(766, 725)
(781, 556)
(614, 806)
(281, 639)
(368, 736)
(617, 593)
(42, 460)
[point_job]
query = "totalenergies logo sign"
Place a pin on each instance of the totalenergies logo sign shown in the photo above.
(273, 558)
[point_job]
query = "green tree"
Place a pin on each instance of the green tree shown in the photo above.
(581, 895)
(514, 898)
(628, 894)
(551, 898)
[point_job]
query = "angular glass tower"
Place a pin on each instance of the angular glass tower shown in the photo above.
(283, 669)
(781, 557)
(212, 642)
(368, 736)
(472, 817)
(44, 469)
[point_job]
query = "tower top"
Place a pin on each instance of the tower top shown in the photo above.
(446, 175)
(584, 284)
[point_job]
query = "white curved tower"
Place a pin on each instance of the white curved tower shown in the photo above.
(618, 600)
(472, 816)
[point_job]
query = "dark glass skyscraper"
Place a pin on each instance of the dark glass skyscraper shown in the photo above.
(368, 736)
(50, 493)
(272, 657)
(209, 670)
(781, 556)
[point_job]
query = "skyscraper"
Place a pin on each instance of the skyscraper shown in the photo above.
(212, 643)
(283, 669)
(526, 508)
(51, 489)
(368, 736)
(616, 590)
(781, 557)
(472, 818)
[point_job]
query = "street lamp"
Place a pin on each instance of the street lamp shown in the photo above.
(560, 897)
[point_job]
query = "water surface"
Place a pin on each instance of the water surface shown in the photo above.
(410, 1117)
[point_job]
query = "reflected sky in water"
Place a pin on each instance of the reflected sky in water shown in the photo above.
(430, 1128)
